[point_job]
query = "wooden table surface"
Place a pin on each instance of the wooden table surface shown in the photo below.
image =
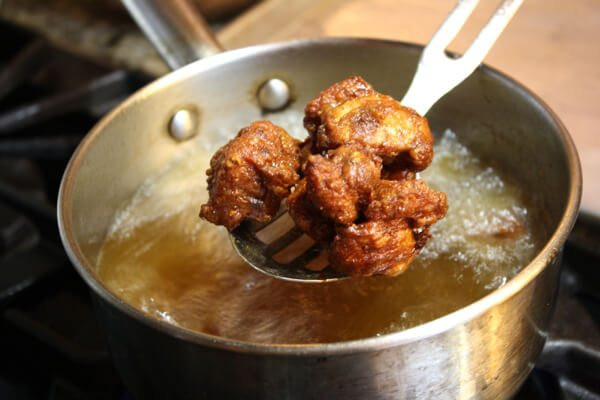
(551, 46)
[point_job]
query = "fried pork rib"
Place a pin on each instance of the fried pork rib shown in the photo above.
(340, 184)
(338, 93)
(352, 182)
(358, 136)
(250, 175)
(307, 217)
(351, 112)
(409, 199)
(398, 216)
(382, 247)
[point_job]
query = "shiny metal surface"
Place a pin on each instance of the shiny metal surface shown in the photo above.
(260, 256)
(184, 124)
(436, 75)
(274, 94)
(484, 350)
(175, 28)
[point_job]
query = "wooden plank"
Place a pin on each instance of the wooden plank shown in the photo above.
(551, 46)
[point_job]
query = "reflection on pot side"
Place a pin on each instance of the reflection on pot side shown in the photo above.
(162, 259)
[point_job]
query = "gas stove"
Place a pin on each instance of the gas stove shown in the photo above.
(50, 343)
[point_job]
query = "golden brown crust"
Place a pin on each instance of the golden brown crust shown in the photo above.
(339, 184)
(362, 124)
(250, 175)
(381, 125)
(411, 199)
(357, 136)
(351, 112)
(307, 217)
(336, 94)
(384, 247)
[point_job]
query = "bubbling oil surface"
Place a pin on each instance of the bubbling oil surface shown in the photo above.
(161, 258)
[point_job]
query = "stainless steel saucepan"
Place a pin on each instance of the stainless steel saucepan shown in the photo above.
(484, 350)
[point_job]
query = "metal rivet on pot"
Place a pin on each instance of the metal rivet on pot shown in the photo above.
(274, 94)
(183, 124)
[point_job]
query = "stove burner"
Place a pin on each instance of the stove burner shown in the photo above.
(570, 362)
(49, 99)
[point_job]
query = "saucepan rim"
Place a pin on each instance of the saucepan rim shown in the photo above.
(544, 257)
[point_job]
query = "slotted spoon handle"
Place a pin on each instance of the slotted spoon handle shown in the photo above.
(176, 29)
(437, 73)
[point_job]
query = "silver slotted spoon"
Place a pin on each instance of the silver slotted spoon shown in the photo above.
(281, 250)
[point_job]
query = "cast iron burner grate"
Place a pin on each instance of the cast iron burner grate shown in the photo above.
(50, 344)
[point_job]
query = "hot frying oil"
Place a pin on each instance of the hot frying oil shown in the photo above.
(162, 259)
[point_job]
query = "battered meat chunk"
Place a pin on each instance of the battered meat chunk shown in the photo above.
(382, 125)
(336, 94)
(357, 136)
(307, 217)
(411, 199)
(250, 175)
(383, 247)
(339, 184)
(398, 216)
(350, 112)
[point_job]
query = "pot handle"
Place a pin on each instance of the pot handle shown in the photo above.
(176, 29)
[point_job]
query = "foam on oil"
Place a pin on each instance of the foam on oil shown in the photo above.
(161, 258)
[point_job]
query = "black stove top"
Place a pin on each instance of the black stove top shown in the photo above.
(50, 344)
